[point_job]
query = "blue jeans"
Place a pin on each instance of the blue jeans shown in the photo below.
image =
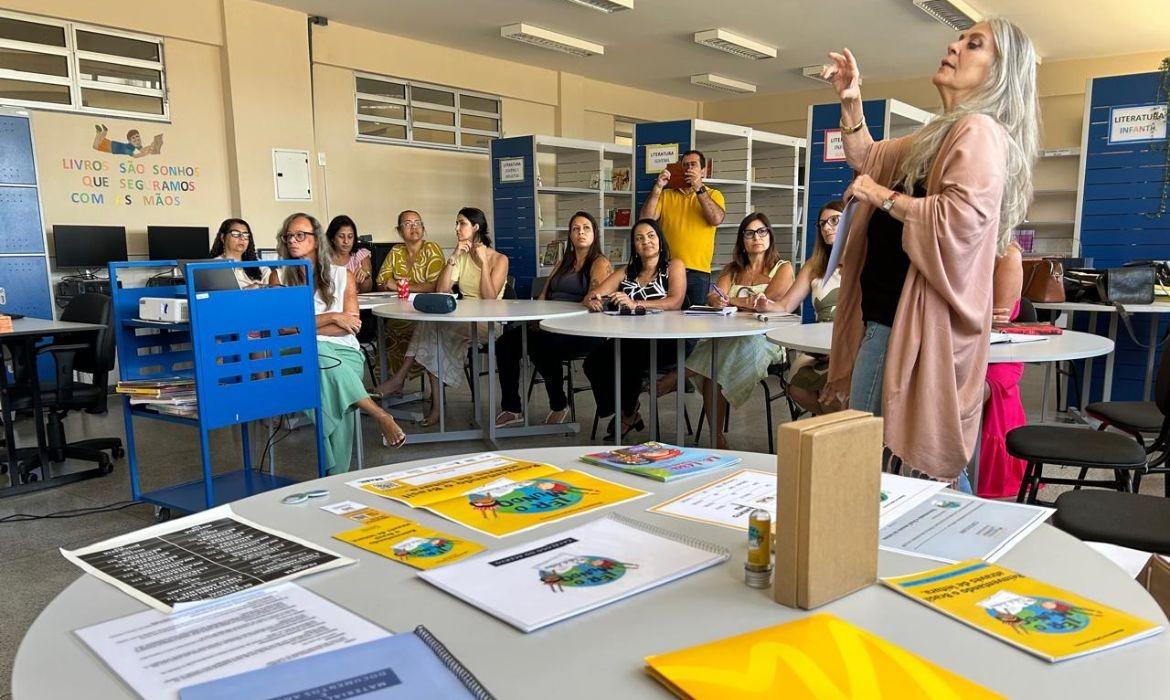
(698, 287)
(865, 388)
(964, 483)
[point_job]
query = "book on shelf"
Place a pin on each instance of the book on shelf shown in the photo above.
(619, 180)
(621, 216)
(814, 657)
(1043, 620)
(661, 462)
(617, 253)
(704, 310)
(552, 252)
(156, 388)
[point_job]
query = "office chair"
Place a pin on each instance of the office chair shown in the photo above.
(92, 353)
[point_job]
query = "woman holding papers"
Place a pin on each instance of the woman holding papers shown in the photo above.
(651, 281)
(481, 273)
(910, 335)
(1000, 473)
(582, 269)
(755, 270)
(340, 358)
(808, 372)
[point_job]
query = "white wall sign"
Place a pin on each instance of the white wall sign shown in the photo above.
(660, 155)
(511, 169)
(1130, 124)
(834, 146)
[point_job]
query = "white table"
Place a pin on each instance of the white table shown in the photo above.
(668, 325)
(490, 312)
(1093, 309)
(600, 654)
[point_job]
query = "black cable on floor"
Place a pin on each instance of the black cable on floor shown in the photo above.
(75, 513)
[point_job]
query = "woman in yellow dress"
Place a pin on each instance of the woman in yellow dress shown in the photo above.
(419, 261)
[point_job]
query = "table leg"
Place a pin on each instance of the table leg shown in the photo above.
(7, 416)
(442, 389)
(617, 391)
(1044, 393)
(525, 372)
(476, 397)
(490, 424)
(713, 393)
(1087, 377)
(34, 381)
(1150, 356)
(380, 324)
(246, 448)
(680, 391)
(1107, 392)
(654, 387)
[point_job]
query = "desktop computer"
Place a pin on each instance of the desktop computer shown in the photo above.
(88, 247)
(177, 242)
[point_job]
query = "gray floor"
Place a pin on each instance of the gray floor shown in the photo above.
(32, 571)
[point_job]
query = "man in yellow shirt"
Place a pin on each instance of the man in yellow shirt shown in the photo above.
(688, 217)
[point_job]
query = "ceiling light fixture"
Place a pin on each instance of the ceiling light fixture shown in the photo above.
(606, 6)
(814, 72)
(956, 14)
(719, 82)
(735, 44)
(547, 39)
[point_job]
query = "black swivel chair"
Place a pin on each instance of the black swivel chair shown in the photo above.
(91, 353)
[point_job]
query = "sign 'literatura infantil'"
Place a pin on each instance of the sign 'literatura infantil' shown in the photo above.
(129, 173)
(1143, 123)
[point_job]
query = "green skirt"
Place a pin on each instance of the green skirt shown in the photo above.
(341, 389)
(742, 363)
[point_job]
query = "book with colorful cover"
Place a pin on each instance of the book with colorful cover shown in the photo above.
(817, 656)
(1031, 615)
(544, 581)
(661, 462)
(409, 542)
(498, 495)
(1027, 328)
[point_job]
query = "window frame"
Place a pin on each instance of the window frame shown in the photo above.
(74, 81)
(409, 123)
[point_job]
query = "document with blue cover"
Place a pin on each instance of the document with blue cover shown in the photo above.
(403, 667)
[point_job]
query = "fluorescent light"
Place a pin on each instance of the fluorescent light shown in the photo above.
(814, 72)
(735, 44)
(556, 41)
(606, 5)
(719, 82)
(956, 14)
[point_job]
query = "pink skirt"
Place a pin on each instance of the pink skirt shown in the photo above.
(1000, 473)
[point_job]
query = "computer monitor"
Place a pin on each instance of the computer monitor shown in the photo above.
(88, 247)
(177, 242)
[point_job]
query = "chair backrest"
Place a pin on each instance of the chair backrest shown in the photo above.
(1027, 312)
(510, 288)
(538, 284)
(1162, 383)
(98, 360)
(378, 253)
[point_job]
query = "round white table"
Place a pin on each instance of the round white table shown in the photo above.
(490, 312)
(600, 654)
(668, 325)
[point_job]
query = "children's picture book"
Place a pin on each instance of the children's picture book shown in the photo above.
(572, 572)
(1027, 328)
(815, 657)
(1031, 615)
(552, 252)
(498, 495)
(409, 666)
(619, 180)
(661, 462)
(409, 542)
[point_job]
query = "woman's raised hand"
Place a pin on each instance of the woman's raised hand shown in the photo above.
(844, 75)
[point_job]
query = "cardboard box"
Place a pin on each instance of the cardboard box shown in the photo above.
(1155, 578)
(828, 491)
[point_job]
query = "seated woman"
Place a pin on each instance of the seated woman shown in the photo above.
(1000, 473)
(342, 235)
(808, 372)
(651, 281)
(342, 364)
(582, 269)
(481, 273)
(755, 269)
(234, 242)
(418, 261)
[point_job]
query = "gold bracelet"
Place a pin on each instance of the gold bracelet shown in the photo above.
(847, 130)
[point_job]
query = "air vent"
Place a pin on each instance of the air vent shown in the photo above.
(547, 39)
(606, 5)
(814, 72)
(734, 44)
(719, 82)
(956, 14)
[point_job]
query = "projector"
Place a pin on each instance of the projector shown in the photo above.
(163, 309)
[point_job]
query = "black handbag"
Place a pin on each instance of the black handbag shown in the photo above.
(1133, 284)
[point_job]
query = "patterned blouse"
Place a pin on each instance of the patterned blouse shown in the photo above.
(427, 264)
(656, 288)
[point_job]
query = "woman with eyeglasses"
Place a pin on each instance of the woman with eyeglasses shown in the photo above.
(582, 269)
(481, 273)
(342, 235)
(755, 269)
(418, 261)
(341, 360)
(651, 281)
(234, 242)
(808, 372)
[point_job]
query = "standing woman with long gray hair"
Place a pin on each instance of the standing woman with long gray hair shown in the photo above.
(910, 333)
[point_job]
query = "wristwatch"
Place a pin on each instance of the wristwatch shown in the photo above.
(701, 190)
(888, 204)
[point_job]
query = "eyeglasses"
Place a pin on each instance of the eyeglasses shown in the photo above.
(831, 221)
(240, 234)
(297, 236)
(412, 224)
(757, 233)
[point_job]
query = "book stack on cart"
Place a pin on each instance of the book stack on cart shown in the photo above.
(173, 396)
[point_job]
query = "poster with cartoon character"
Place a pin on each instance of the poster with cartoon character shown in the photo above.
(409, 542)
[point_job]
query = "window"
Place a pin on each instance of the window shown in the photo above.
(623, 130)
(431, 116)
(53, 64)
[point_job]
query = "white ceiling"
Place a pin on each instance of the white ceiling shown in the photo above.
(651, 46)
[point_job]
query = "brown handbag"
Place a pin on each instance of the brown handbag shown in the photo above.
(1043, 280)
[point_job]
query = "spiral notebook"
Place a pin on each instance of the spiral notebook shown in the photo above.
(412, 666)
(554, 578)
